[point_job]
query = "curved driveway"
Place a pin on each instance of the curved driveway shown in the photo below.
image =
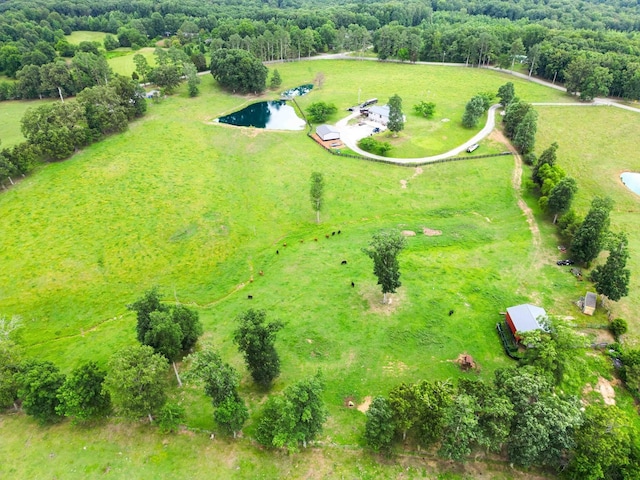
(351, 134)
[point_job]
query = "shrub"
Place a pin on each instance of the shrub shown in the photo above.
(530, 158)
(170, 418)
(426, 109)
(618, 327)
(369, 144)
(318, 112)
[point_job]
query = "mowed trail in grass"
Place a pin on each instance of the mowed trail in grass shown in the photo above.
(596, 146)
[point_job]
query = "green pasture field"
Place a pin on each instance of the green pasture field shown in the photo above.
(450, 88)
(85, 36)
(11, 113)
(121, 59)
(199, 208)
(597, 144)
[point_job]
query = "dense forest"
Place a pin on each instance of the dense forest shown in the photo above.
(578, 42)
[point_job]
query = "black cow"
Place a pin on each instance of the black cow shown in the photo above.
(343, 262)
(450, 312)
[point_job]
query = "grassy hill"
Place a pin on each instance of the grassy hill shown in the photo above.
(200, 208)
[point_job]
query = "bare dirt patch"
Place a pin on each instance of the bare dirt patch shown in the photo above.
(605, 388)
(466, 362)
(430, 232)
(364, 406)
(408, 233)
(373, 295)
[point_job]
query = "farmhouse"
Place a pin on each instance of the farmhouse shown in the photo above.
(524, 318)
(327, 132)
(379, 113)
(589, 303)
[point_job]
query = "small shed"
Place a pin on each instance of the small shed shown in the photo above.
(524, 318)
(327, 132)
(589, 303)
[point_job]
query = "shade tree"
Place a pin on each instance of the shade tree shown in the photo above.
(589, 238)
(318, 112)
(136, 382)
(396, 117)
(474, 109)
(384, 248)
(379, 428)
(612, 278)
(255, 339)
(38, 385)
(238, 70)
(317, 193)
(82, 395)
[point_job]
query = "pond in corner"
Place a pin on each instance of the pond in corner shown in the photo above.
(273, 115)
(631, 180)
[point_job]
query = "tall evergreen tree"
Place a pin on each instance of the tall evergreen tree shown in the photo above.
(396, 117)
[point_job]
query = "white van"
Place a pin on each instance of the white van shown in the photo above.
(472, 148)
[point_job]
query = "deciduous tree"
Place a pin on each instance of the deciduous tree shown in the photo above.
(506, 94)
(276, 80)
(39, 382)
(294, 418)
(473, 111)
(82, 395)
(524, 138)
(55, 129)
(384, 249)
(149, 302)
(426, 109)
(231, 415)
(561, 197)
(612, 278)
(318, 112)
(589, 237)
(396, 117)
(255, 339)
(136, 381)
(220, 379)
(238, 70)
(379, 428)
(317, 193)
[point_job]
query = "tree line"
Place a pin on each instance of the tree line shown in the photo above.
(590, 57)
(524, 413)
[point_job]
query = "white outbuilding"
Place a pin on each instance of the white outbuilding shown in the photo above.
(327, 132)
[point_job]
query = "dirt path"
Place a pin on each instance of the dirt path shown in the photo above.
(516, 181)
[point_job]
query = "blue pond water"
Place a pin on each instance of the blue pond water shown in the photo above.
(632, 181)
(298, 91)
(274, 115)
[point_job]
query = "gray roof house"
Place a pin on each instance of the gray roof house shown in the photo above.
(327, 132)
(524, 318)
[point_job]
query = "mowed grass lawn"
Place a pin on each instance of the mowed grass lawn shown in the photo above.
(596, 145)
(121, 59)
(86, 36)
(450, 88)
(199, 209)
(10, 115)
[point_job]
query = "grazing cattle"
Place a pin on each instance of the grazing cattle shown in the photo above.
(353, 284)
(251, 279)
(250, 297)
(343, 262)
(277, 252)
(315, 239)
(327, 235)
(261, 273)
(333, 233)
(338, 232)
(450, 312)
(301, 240)
(284, 244)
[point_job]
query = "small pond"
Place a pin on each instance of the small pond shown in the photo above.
(274, 115)
(297, 91)
(631, 180)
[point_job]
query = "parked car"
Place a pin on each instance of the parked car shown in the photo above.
(376, 130)
(472, 148)
(565, 262)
